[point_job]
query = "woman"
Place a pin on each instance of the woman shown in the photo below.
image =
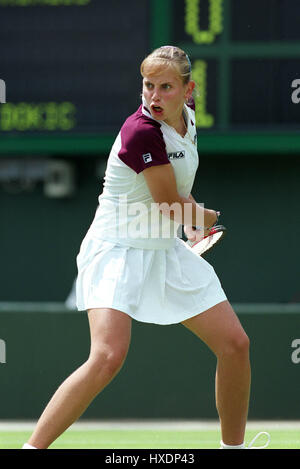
(132, 265)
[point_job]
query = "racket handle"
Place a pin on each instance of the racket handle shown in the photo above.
(208, 228)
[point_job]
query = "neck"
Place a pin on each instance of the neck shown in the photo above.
(179, 124)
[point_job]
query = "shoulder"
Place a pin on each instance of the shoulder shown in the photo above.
(139, 127)
(142, 142)
(191, 112)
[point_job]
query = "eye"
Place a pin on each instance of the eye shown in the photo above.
(166, 86)
(148, 85)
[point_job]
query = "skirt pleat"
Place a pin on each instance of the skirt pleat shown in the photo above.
(160, 286)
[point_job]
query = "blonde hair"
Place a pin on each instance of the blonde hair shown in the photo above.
(168, 56)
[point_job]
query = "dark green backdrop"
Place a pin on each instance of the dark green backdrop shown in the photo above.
(168, 373)
(259, 199)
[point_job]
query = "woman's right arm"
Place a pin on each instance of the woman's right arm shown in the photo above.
(161, 182)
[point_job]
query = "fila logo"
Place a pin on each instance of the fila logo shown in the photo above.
(176, 155)
(147, 157)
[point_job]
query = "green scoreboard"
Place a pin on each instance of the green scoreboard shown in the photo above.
(69, 70)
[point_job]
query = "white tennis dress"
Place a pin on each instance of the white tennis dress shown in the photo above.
(131, 258)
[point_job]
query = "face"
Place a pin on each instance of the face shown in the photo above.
(165, 95)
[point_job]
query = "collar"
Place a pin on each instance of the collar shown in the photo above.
(145, 110)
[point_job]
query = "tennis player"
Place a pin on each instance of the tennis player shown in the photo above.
(132, 264)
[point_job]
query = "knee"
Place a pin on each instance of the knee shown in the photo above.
(237, 346)
(107, 361)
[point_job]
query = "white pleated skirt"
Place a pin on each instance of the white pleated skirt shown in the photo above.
(159, 286)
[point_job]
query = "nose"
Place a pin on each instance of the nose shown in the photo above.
(155, 95)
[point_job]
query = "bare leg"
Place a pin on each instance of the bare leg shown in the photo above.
(110, 337)
(221, 330)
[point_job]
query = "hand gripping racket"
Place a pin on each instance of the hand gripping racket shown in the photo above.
(216, 233)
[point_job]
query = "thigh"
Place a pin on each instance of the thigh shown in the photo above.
(109, 328)
(218, 327)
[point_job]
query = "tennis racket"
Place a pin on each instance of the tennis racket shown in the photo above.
(216, 234)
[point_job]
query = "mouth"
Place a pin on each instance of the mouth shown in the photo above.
(157, 110)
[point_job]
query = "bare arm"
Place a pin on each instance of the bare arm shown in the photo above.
(184, 210)
(191, 233)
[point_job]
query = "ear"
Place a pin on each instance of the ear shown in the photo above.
(190, 88)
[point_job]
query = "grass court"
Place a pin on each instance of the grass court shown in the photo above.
(154, 435)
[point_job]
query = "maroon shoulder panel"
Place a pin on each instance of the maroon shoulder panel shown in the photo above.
(142, 142)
